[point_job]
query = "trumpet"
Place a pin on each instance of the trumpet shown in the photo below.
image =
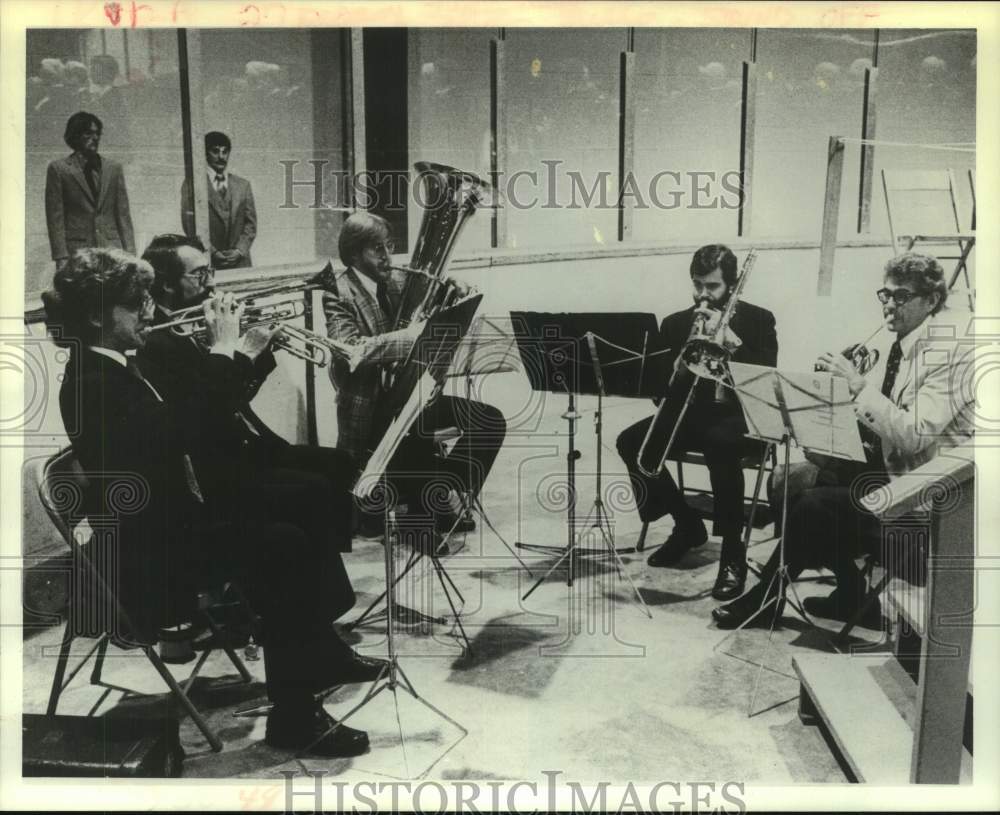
(861, 356)
(190, 322)
(317, 349)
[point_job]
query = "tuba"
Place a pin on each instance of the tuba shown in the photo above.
(450, 198)
(705, 356)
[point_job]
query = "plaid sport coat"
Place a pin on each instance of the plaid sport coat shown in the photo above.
(353, 315)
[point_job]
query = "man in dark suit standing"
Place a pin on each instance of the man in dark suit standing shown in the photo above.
(166, 544)
(712, 426)
(86, 203)
(232, 214)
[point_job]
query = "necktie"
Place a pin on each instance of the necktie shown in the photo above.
(384, 304)
(189, 475)
(91, 172)
(869, 438)
(220, 184)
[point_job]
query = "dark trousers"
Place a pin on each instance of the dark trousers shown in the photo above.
(419, 476)
(717, 431)
(828, 528)
(297, 585)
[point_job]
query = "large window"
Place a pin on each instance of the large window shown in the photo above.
(562, 107)
(810, 87)
(128, 79)
(449, 121)
(687, 131)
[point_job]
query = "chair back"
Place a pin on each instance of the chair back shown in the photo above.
(61, 490)
(923, 203)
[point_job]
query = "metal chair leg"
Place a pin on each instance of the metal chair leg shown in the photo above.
(640, 544)
(181, 697)
(102, 650)
(870, 599)
(57, 680)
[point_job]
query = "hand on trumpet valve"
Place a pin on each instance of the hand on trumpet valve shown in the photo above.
(839, 365)
(223, 313)
(461, 289)
(257, 339)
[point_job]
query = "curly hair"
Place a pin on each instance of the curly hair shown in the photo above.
(360, 229)
(161, 254)
(87, 288)
(923, 273)
(707, 259)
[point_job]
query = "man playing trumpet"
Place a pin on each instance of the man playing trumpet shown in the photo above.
(361, 304)
(909, 408)
(712, 426)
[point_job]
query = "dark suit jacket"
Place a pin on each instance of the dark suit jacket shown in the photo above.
(75, 220)
(229, 448)
(232, 224)
(352, 314)
(132, 447)
(752, 324)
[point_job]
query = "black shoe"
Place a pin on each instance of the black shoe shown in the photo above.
(295, 729)
(731, 580)
(356, 668)
(681, 539)
(836, 606)
(744, 609)
(453, 522)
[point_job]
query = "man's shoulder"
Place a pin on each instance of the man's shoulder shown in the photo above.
(238, 182)
(754, 312)
(63, 163)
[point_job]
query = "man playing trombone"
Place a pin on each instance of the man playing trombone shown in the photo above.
(361, 305)
(713, 425)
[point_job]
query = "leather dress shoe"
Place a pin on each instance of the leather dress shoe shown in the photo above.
(742, 610)
(295, 729)
(352, 668)
(837, 607)
(730, 581)
(681, 539)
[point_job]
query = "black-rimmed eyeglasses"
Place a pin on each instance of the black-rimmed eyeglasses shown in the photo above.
(899, 296)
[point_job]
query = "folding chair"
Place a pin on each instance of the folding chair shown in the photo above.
(923, 211)
(61, 488)
(703, 503)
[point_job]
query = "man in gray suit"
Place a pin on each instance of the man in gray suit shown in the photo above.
(86, 203)
(232, 215)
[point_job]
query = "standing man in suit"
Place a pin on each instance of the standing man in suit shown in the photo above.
(711, 426)
(910, 407)
(361, 304)
(167, 544)
(232, 224)
(86, 203)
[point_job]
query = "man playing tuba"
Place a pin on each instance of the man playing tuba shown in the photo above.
(712, 426)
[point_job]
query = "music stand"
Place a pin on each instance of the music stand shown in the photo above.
(433, 350)
(487, 348)
(558, 357)
(816, 412)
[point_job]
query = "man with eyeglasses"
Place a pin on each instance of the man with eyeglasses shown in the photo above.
(910, 407)
(361, 303)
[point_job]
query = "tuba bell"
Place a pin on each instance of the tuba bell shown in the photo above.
(450, 198)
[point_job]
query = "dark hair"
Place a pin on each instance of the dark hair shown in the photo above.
(161, 254)
(77, 124)
(217, 139)
(360, 229)
(922, 273)
(85, 290)
(715, 256)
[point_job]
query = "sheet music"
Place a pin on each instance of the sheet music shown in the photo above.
(754, 386)
(488, 348)
(377, 465)
(822, 414)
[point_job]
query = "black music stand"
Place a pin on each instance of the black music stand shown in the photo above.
(486, 349)
(557, 352)
(816, 412)
(433, 350)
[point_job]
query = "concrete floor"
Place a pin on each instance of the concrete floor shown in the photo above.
(578, 681)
